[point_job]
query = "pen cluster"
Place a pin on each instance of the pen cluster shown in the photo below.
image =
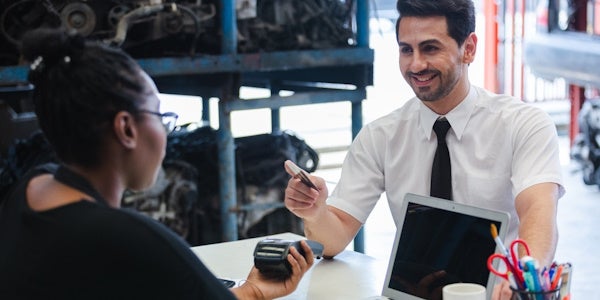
(541, 281)
(526, 278)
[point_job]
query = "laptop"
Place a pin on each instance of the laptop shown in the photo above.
(439, 242)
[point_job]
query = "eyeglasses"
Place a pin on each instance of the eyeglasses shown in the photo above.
(169, 119)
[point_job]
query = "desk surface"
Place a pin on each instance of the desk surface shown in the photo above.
(350, 275)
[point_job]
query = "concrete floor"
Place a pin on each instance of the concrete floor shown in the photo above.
(578, 223)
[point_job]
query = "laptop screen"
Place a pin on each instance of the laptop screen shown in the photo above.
(441, 242)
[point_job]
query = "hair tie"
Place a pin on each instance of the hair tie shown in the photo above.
(36, 63)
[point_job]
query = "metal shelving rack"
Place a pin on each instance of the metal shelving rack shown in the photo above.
(315, 76)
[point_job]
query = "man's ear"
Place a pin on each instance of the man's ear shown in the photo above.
(125, 129)
(470, 48)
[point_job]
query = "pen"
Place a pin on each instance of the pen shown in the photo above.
(531, 270)
(494, 231)
(529, 286)
(556, 278)
(545, 278)
(565, 287)
(511, 264)
(511, 280)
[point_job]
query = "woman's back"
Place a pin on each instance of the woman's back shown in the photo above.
(88, 250)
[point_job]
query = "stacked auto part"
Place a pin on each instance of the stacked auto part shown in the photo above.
(158, 28)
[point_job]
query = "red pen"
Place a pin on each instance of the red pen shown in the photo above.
(556, 278)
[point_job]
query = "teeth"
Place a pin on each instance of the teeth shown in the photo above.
(423, 79)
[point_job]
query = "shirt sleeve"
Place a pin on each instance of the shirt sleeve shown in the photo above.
(362, 182)
(536, 158)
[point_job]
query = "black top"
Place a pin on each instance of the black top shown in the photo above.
(88, 250)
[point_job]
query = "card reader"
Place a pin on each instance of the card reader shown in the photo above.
(270, 256)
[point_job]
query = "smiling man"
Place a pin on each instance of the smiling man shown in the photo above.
(503, 153)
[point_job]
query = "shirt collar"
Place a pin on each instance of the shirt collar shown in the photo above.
(458, 117)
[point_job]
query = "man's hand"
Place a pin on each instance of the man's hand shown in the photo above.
(303, 201)
(502, 291)
(325, 224)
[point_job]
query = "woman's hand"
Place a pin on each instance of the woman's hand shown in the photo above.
(259, 287)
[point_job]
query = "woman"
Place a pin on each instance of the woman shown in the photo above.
(62, 233)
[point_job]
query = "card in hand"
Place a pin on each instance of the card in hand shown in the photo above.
(300, 174)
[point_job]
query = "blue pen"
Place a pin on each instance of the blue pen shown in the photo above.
(529, 286)
(530, 267)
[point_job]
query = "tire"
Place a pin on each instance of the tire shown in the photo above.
(597, 177)
(590, 177)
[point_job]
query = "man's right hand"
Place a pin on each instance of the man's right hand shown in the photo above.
(325, 224)
(303, 201)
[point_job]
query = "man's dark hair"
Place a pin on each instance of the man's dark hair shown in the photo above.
(79, 87)
(460, 15)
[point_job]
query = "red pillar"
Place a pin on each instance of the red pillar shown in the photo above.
(577, 93)
(577, 97)
(521, 64)
(490, 10)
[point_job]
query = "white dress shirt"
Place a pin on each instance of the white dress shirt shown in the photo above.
(498, 147)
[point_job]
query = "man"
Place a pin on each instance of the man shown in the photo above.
(503, 153)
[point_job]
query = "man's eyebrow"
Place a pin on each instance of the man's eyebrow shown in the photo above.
(403, 44)
(425, 42)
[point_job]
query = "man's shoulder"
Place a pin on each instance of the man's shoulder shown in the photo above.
(488, 98)
(503, 102)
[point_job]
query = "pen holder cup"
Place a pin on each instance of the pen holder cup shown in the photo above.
(527, 295)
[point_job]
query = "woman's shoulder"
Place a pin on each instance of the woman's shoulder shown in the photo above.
(126, 222)
(16, 194)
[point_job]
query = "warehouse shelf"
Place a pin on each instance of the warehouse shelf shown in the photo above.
(313, 76)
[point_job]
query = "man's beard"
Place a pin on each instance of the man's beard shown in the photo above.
(427, 93)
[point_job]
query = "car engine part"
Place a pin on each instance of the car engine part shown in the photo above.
(157, 28)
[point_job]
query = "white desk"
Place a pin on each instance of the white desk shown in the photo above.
(349, 275)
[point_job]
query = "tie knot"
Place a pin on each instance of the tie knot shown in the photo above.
(441, 127)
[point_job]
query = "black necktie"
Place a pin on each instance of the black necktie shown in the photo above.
(441, 178)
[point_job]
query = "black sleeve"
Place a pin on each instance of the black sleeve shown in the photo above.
(156, 263)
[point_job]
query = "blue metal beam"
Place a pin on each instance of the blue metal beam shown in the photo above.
(227, 178)
(362, 40)
(271, 61)
(229, 27)
(357, 121)
(362, 23)
(210, 64)
(225, 142)
(13, 74)
(305, 98)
